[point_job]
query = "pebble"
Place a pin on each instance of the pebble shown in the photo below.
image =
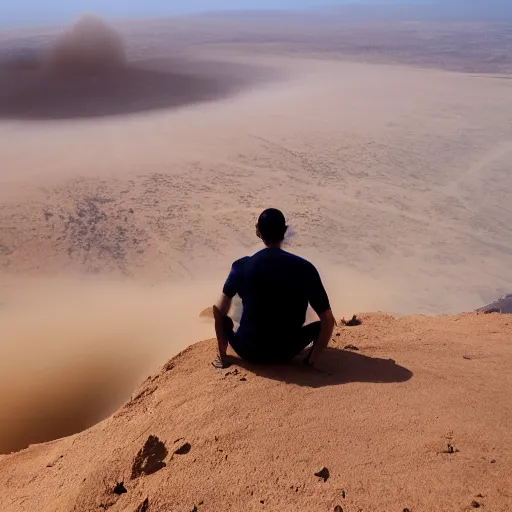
(184, 449)
(323, 473)
(120, 489)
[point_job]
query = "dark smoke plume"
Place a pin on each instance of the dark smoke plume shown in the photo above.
(91, 45)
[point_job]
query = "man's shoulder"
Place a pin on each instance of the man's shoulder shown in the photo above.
(295, 265)
(276, 257)
(240, 262)
(299, 260)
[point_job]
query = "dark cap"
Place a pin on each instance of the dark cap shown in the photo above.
(272, 225)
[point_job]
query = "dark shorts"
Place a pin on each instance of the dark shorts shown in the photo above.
(282, 351)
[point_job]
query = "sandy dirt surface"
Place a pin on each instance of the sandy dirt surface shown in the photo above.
(126, 195)
(417, 418)
(397, 176)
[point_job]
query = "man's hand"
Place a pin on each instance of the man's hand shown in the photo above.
(307, 362)
(221, 363)
(327, 322)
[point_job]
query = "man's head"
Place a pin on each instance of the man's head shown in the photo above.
(271, 227)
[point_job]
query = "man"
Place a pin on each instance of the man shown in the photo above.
(276, 288)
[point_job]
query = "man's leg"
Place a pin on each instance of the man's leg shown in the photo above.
(229, 327)
(224, 328)
(308, 334)
(238, 345)
(233, 340)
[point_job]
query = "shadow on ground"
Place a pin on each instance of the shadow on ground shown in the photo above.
(28, 91)
(337, 367)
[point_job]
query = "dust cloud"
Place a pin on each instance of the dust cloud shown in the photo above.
(89, 71)
(72, 351)
(91, 45)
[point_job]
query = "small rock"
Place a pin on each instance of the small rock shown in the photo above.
(468, 358)
(493, 461)
(207, 313)
(144, 506)
(475, 504)
(479, 496)
(324, 474)
(53, 462)
(406, 510)
(351, 347)
(168, 367)
(120, 489)
(338, 508)
(343, 494)
(194, 509)
(353, 322)
(262, 502)
(451, 449)
(338, 334)
(184, 449)
(243, 379)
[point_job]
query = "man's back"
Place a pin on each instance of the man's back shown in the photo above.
(275, 287)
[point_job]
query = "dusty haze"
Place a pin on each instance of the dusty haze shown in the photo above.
(388, 153)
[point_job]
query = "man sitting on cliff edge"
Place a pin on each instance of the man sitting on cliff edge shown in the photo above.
(276, 288)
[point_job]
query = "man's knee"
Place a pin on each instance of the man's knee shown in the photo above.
(312, 331)
(228, 324)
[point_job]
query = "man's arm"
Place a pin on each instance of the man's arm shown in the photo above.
(319, 301)
(327, 323)
(220, 311)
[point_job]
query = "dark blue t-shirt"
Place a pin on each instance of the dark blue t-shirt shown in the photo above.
(276, 288)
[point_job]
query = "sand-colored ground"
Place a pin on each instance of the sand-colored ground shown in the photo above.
(396, 176)
(125, 196)
(380, 419)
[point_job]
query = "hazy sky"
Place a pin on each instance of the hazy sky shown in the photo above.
(30, 12)
(23, 11)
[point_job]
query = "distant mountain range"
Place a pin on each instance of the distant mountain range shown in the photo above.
(428, 9)
(16, 13)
